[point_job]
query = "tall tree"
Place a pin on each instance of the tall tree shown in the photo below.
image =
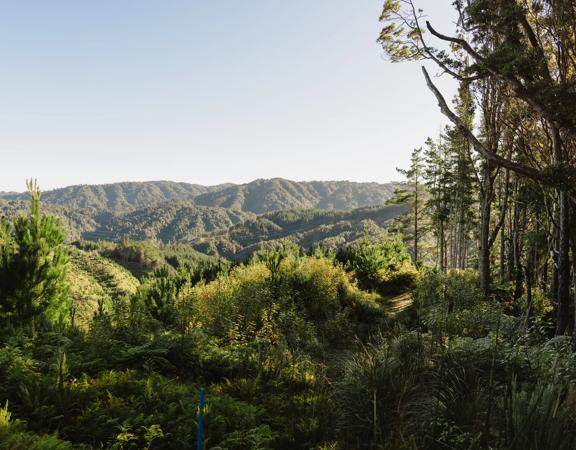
(412, 194)
(440, 184)
(528, 47)
(33, 262)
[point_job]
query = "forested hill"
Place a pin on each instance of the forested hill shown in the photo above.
(166, 222)
(261, 196)
(308, 228)
(226, 220)
(217, 231)
(118, 197)
(75, 221)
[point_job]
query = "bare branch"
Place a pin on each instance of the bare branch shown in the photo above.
(476, 144)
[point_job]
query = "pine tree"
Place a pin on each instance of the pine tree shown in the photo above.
(412, 194)
(464, 179)
(33, 263)
(439, 181)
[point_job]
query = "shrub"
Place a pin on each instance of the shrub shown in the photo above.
(403, 278)
(13, 436)
(381, 266)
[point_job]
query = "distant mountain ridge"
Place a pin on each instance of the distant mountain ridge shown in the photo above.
(118, 197)
(259, 196)
(225, 220)
(262, 196)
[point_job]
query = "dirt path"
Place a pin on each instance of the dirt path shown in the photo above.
(398, 304)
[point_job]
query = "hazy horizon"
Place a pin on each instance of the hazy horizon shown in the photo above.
(96, 93)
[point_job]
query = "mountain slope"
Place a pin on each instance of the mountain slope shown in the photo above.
(166, 222)
(329, 229)
(263, 196)
(74, 221)
(259, 196)
(93, 279)
(119, 197)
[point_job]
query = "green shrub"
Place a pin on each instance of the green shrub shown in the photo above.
(13, 436)
(404, 277)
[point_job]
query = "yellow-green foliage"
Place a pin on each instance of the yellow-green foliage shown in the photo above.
(541, 304)
(96, 280)
(322, 287)
(306, 293)
(403, 277)
(234, 297)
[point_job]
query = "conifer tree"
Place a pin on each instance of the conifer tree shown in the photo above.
(515, 53)
(439, 182)
(412, 194)
(33, 262)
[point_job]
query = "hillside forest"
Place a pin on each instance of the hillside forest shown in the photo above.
(435, 313)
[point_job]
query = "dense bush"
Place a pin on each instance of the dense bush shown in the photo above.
(469, 377)
(381, 266)
(293, 354)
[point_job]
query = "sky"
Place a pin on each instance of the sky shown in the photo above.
(206, 91)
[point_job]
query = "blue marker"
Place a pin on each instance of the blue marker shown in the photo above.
(200, 417)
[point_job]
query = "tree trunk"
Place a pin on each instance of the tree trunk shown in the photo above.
(563, 310)
(529, 281)
(442, 249)
(416, 223)
(563, 305)
(517, 254)
(502, 254)
(484, 247)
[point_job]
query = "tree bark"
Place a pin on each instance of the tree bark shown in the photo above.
(442, 249)
(485, 213)
(563, 307)
(416, 222)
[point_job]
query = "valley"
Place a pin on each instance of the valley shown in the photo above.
(229, 221)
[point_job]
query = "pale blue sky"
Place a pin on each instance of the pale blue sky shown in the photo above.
(205, 91)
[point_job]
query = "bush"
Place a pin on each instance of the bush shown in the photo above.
(381, 266)
(13, 436)
(405, 277)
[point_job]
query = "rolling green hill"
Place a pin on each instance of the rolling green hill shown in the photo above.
(118, 197)
(308, 228)
(166, 222)
(219, 220)
(74, 221)
(259, 196)
(141, 258)
(262, 196)
(93, 279)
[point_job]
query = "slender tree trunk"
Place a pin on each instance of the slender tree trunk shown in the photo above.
(442, 249)
(416, 223)
(563, 311)
(484, 256)
(554, 284)
(517, 255)
(502, 254)
(484, 247)
(544, 279)
(529, 281)
(512, 232)
(504, 213)
(451, 242)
